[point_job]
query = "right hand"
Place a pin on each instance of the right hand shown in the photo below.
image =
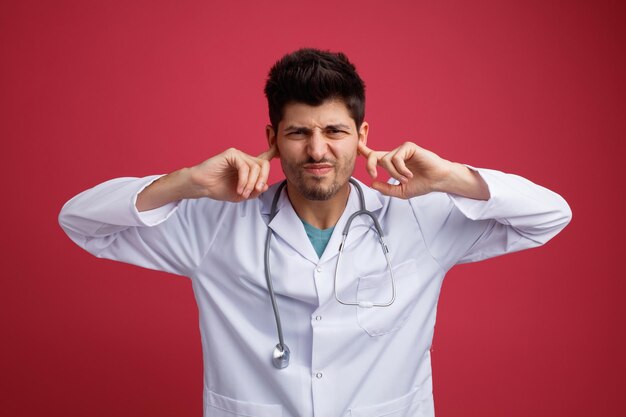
(232, 175)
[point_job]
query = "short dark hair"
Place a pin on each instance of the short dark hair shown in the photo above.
(313, 76)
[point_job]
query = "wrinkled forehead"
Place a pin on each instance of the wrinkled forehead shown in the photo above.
(331, 112)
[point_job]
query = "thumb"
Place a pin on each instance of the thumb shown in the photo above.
(390, 190)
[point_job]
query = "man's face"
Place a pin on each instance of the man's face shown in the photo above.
(317, 147)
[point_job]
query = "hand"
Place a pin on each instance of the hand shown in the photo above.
(419, 171)
(232, 175)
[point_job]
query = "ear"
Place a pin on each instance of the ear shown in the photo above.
(270, 134)
(363, 131)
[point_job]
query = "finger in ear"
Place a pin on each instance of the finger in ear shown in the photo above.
(362, 149)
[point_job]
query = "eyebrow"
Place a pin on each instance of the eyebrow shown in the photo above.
(338, 126)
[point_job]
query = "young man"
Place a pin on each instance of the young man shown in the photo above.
(359, 322)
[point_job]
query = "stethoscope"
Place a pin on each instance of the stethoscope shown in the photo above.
(281, 354)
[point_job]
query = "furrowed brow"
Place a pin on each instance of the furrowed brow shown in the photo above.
(338, 126)
(294, 127)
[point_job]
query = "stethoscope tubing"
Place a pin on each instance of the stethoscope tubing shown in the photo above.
(281, 353)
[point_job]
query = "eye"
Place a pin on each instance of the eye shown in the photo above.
(296, 133)
(335, 132)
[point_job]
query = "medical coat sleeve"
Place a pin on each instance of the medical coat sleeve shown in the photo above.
(105, 222)
(518, 215)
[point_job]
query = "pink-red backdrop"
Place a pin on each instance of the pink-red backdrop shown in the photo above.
(94, 90)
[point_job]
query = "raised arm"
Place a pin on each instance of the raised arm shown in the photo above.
(468, 214)
(125, 218)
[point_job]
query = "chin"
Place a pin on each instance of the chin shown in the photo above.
(318, 191)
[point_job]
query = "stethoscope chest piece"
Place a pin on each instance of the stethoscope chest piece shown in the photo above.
(280, 357)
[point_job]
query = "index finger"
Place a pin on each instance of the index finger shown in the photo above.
(372, 159)
(269, 154)
(363, 149)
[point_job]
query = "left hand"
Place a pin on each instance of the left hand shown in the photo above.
(419, 171)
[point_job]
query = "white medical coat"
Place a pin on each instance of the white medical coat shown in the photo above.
(345, 360)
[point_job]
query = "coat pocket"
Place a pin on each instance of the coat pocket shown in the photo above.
(410, 405)
(220, 406)
(377, 321)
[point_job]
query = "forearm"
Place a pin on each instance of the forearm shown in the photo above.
(104, 221)
(518, 215)
(169, 188)
(464, 182)
(533, 211)
(105, 209)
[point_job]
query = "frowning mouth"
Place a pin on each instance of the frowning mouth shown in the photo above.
(318, 169)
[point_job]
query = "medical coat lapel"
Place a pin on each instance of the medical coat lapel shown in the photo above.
(287, 226)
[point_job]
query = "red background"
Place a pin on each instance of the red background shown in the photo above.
(95, 90)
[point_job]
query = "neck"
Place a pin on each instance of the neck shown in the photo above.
(321, 214)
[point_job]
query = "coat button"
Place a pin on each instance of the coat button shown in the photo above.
(318, 269)
(318, 318)
(319, 375)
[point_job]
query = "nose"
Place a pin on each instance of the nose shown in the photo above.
(317, 146)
